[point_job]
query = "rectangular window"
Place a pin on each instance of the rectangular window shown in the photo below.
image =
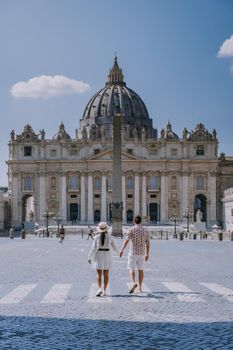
(74, 182)
(27, 183)
(153, 151)
(97, 196)
(27, 151)
(130, 196)
(130, 151)
(53, 153)
(73, 152)
(200, 150)
(153, 196)
(96, 151)
(73, 196)
(231, 212)
(173, 152)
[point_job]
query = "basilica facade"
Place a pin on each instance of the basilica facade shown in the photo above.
(164, 176)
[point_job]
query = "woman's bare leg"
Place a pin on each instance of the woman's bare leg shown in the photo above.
(106, 278)
(99, 274)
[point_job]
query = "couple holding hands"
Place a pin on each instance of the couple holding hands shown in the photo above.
(100, 254)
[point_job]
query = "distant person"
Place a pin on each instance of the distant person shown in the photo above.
(11, 233)
(139, 250)
(100, 256)
(62, 234)
(90, 232)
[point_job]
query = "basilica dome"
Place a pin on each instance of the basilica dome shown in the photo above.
(101, 108)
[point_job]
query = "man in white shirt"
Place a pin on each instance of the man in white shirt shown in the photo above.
(139, 250)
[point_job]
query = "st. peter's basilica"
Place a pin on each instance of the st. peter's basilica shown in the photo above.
(164, 175)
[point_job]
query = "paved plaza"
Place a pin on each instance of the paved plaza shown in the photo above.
(47, 297)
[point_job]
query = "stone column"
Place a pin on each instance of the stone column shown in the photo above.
(41, 196)
(163, 199)
(212, 218)
(185, 193)
(136, 195)
(83, 198)
(15, 200)
(123, 199)
(103, 198)
(90, 214)
(144, 201)
(63, 201)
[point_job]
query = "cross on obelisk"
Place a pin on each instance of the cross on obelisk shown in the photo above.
(117, 206)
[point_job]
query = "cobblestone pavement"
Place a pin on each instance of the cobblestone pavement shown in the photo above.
(47, 297)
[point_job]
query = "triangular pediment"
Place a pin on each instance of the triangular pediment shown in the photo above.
(108, 155)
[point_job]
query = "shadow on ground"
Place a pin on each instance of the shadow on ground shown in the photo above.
(46, 333)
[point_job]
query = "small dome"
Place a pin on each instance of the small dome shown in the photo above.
(100, 110)
(168, 134)
(61, 134)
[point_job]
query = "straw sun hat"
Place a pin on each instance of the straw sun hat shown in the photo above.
(102, 227)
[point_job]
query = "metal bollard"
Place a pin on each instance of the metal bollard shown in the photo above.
(231, 236)
(23, 234)
(220, 236)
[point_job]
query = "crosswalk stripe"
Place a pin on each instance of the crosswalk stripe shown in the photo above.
(187, 295)
(143, 297)
(219, 289)
(92, 298)
(17, 294)
(57, 294)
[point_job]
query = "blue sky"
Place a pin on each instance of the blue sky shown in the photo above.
(169, 51)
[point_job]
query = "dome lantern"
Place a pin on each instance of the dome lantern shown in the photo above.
(115, 75)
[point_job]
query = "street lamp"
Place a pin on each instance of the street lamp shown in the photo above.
(175, 220)
(47, 215)
(188, 215)
(58, 220)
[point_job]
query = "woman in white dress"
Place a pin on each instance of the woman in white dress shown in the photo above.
(100, 256)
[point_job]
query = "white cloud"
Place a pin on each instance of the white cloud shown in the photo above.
(226, 49)
(46, 86)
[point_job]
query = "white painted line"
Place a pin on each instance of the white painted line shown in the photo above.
(92, 298)
(17, 294)
(219, 289)
(57, 294)
(143, 297)
(187, 295)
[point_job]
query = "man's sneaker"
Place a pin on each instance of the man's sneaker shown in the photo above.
(133, 287)
(99, 293)
(104, 294)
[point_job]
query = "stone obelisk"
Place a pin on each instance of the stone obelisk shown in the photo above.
(117, 206)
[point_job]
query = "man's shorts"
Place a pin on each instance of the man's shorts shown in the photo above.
(136, 262)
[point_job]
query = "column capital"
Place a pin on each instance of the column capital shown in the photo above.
(213, 173)
(185, 173)
(15, 173)
(42, 173)
(63, 173)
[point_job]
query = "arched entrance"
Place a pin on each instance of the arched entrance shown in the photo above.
(200, 204)
(97, 215)
(129, 216)
(28, 210)
(74, 212)
(153, 212)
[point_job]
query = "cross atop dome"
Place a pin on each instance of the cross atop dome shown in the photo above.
(115, 75)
